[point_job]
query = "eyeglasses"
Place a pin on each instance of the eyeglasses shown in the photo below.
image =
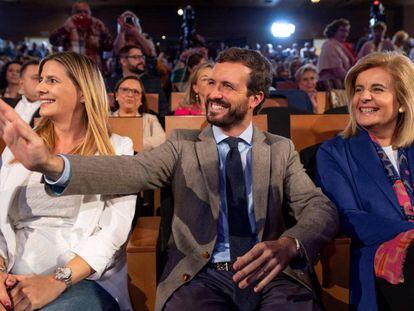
(136, 57)
(127, 90)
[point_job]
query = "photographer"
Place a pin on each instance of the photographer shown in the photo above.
(130, 33)
(83, 33)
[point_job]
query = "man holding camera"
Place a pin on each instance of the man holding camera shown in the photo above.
(83, 33)
(130, 33)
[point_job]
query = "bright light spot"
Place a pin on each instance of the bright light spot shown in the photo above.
(163, 37)
(282, 30)
(315, 1)
(180, 12)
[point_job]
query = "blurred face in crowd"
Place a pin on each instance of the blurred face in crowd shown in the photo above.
(378, 33)
(60, 98)
(81, 8)
(134, 61)
(374, 103)
(28, 82)
(308, 81)
(342, 33)
(129, 97)
(228, 104)
(13, 74)
(202, 86)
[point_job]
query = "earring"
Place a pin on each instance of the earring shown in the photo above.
(401, 110)
(197, 98)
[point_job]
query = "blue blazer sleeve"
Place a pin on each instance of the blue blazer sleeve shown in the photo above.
(338, 181)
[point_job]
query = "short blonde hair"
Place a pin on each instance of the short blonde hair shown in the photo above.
(305, 68)
(190, 95)
(401, 70)
(86, 76)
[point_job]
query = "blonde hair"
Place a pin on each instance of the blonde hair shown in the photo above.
(190, 95)
(401, 70)
(86, 76)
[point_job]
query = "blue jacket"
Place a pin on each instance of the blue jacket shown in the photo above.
(351, 174)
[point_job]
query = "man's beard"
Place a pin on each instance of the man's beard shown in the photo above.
(234, 116)
(137, 70)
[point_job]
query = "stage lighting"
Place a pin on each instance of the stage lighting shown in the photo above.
(180, 12)
(282, 29)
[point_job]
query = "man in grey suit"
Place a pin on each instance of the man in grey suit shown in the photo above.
(236, 190)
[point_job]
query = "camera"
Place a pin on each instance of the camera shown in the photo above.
(82, 22)
(129, 20)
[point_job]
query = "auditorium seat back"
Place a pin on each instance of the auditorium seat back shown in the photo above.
(131, 127)
(308, 130)
(152, 101)
(176, 99)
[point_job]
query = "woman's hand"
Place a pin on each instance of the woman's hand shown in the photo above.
(35, 291)
(27, 147)
(7, 281)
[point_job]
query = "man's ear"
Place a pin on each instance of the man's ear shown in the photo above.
(256, 99)
(122, 60)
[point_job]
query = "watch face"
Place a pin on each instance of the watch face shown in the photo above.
(63, 273)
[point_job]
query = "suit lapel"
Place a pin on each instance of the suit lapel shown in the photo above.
(366, 156)
(261, 179)
(207, 154)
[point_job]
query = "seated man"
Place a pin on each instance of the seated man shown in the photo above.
(134, 63)
(28, 106)
(231, 247)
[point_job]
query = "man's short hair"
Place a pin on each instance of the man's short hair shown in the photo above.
(261, 69)
(124, 51)
(27, 64)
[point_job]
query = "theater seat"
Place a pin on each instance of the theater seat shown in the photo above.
(142, 263)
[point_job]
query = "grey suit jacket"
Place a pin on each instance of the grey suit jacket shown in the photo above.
(188, 161)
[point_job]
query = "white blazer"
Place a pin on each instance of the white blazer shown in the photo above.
(98, 235)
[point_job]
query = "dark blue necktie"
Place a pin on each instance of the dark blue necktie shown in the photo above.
(241, 237)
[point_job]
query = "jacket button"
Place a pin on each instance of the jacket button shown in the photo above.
(205, 255)
(185, 277)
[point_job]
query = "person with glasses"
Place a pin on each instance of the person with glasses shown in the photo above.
(133, 62)
(131, 102)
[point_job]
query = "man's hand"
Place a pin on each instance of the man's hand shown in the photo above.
(27, 147)
(35, 291)
(264, 262)
(7, 281)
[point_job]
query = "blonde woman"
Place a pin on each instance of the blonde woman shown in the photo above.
(195, 94)
(367, 172)
(65, 253)
(131, 102)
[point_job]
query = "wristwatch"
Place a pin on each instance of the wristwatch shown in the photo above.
(64, 274)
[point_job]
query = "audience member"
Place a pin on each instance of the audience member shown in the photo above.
(401, 40)
(28, 106)
(133, 63)
(367, 173)
(231, 245)
(130, 33)
(65, 253)
(9, 82)
(335, 60)
(82, 33)
(193, 61)
(131, 102)
(306, 78)
(378, 43)
(308, 53)
(195, 95)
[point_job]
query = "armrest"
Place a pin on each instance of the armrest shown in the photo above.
(145, 235)
(142, 263)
